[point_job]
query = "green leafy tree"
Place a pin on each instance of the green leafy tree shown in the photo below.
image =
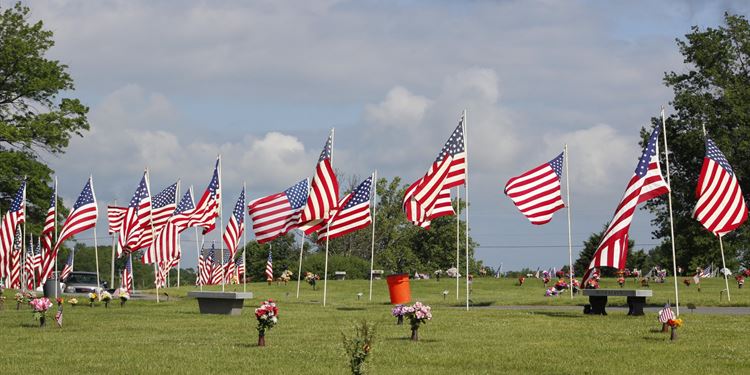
(34, 120)
(713, 90)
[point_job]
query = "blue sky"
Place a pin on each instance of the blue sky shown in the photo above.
(172, 84)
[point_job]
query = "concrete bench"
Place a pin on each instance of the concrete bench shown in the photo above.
(377, 274)
(226, 303)
(339, 275)
(636, 299)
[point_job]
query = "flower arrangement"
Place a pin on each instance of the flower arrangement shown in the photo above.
(124, 296)
(40, 307)
(311, 278)
(747, 273)
(92, 299)
(267, 315)
(686, 282)
(418, 314)
(59, 301)
(73, 302)
(358, 346)
(621, 281)
(675, 323)
(106, 297)
(551, 292)
(740, 280)
(521, 280)
(560, 274)
(398, 312)
(592, 284)
(561, 285)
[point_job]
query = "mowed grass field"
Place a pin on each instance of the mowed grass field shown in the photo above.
(172, 337)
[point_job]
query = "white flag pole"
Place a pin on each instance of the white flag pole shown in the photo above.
(114, 243)
(325, 280)
(221, 221)
(179, 237)
(372, 246)
(244, 240)
(56, 276)
(570, 231)
(23, 236)
(299, 268)
(151, 221)
(458, 240)
(466, 188)
(96, 244)
(671, 220)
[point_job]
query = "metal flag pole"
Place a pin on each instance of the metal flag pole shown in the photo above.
(302, 247)
(570, 231)
(325, 280)
(671, 219)
(23, 236)
(56, 276)
(458, 240)
(724, 267)
(244, 240)
(179, 237)
(374, 188)
(96, 244)
(197, 244)
(151, 220)
(466, 190)
(221, 221)
(114, 243)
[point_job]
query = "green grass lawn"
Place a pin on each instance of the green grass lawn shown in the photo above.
(171, 337)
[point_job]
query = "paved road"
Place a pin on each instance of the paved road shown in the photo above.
(683, 309)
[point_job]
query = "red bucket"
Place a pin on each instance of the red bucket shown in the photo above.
(398, 288)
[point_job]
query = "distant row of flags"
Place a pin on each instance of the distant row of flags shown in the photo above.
(153, 223)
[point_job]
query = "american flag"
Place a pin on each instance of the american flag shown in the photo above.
(126, 277)
(236, 225)
(665, 314)
(269, 267)
(354, 213)
(324, 192)
(206, 267)
(59, 316)
(536, 193)
(49, 257)
(645, 184)
(217, 269)
(136, 226)
(15, 261)
(115, 217)
(166, 247)
(31, 265)
(82, 217)
(68, 267)
(163, 206)
(199, 280)
(207, 210)
(16, 215)
(239, 264)
(721, 207)
(417, 214)
(228, 267)
(447, 171)
(277, 214)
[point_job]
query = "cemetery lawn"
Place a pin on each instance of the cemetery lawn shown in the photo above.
(172, 337)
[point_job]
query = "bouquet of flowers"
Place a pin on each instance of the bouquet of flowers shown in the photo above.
(92, 299)
(621, 281)
(59, 301)
(40, 307)
(311, 278)
(398, 312)
(73, 301)
(124, 296)
(106, 297)
(740, 280)
(592, 284)
(267, 315)
(561, 285)
(521, 280)
(551, 292)
(418, 314)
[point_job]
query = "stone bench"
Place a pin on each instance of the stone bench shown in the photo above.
(377, 274)
(636, 299)
(339, 275)
(226, 303)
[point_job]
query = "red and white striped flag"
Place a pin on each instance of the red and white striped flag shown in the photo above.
(126, 277)
(665, 314)
(353, 215)
(324, 192)
(646, 183)
(721, 207)
(82, 217)
(416, 213)
(115, 217)
(166, 247)
(236, 225)
(135, 230)
(269, 267)
(536, 193)
(447, 171)
(277, 214)
(31, 265)
(16, 215)
(207, 210)
(49, 257)
(68, 268)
